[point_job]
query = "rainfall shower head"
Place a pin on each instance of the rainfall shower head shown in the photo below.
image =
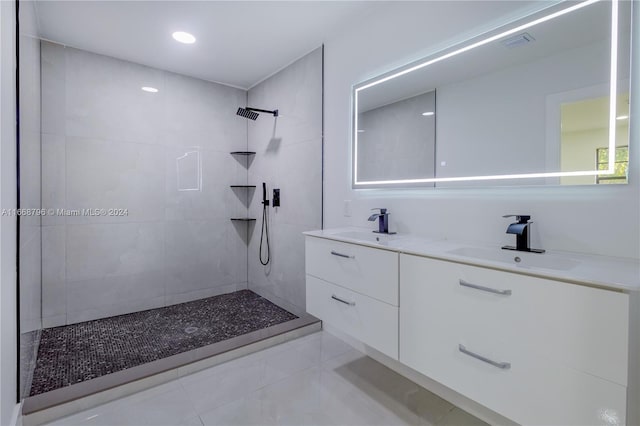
(242, 112)
(251, 113)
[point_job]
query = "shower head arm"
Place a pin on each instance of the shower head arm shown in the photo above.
(274, 112)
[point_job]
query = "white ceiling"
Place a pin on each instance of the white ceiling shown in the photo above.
(230, 34)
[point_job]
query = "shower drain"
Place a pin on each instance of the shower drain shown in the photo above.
(190, 330)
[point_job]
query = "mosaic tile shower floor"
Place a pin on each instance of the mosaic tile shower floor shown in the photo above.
(78, 352)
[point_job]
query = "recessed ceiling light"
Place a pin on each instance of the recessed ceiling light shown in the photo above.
(622, 117)
(150, 89)
(428, 113)
(183, 37)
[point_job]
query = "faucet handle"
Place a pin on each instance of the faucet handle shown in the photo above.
(382, 210)
(521, 218)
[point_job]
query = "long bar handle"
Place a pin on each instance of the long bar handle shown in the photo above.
(483, 288)
(501, 365)
(335, 253)
(346, 302)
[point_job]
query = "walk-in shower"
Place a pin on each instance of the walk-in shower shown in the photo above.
(111, 298)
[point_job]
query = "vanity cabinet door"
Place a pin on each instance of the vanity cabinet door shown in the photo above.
(534, 350)
(369, 271)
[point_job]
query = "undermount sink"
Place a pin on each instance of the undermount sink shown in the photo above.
(369, 237)
(517, 258)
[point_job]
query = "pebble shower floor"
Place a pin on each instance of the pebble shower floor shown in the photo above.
(78, 352)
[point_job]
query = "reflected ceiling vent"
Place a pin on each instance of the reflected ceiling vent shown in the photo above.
(518, 40)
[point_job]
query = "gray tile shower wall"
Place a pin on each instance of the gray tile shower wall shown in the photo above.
(164, 157)
(30, 231)
(30, 225)
(289, 157)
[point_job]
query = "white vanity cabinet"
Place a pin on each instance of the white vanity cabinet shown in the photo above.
(355, 289)
(535, 350)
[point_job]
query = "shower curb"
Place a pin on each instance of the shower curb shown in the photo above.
(59, 403)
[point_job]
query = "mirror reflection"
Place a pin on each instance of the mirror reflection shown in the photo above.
(584, 133)
(397, 138)
(532, 98)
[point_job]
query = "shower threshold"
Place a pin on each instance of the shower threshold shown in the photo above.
(91, 363)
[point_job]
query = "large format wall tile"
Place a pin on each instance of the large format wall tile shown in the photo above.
(114, 295)
(296, 92)
(53, 99)
(111, 250)
(198, 185)
(300, 181)
(54, 291)
(30, 266)
(53, 170)
(163, 156)
(199, 113)
(289, 158)
(202, 255)
(30, 169)
(107, 174)
(104, 98)
(29, 91)
(284, 277)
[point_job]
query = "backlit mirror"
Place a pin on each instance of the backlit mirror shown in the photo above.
(544, 100)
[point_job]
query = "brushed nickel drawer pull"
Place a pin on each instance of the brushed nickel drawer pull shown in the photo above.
(502, 365)
(483, 288)
(335, 253)
(334, 297)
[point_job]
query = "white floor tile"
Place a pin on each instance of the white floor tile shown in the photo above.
(458, 417)
(194, 421)
(243, 411)
(314, 380)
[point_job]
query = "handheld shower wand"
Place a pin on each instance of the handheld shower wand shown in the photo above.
(264, 233)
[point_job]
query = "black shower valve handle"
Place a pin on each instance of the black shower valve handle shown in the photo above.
(521, 218)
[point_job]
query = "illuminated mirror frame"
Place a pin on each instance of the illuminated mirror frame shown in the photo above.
(456, 51)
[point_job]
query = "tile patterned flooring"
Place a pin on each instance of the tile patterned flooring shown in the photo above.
(313, 380)
(78, 352)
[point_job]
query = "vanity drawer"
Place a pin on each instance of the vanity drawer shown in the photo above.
(531, 391)
(369, 271)
(372, 322)
(568, 325)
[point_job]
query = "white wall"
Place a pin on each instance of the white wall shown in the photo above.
(600, 220)
(166, 158)
(8, 334)
(289, 157)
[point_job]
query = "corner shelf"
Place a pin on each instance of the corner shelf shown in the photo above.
(245, 154)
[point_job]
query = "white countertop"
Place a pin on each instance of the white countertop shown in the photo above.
(600, 271)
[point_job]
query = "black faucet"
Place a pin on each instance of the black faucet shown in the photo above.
(383, 221)
(521, 231)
